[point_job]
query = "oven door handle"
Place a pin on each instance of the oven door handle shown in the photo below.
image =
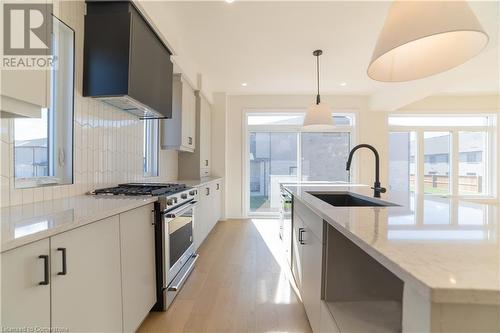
(178, 212)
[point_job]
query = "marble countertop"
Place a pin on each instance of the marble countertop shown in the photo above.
(24, 224)
(447, 248)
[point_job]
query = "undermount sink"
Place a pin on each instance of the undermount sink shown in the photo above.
(350, 200)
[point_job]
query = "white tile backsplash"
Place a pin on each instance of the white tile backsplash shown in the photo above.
(107, 141)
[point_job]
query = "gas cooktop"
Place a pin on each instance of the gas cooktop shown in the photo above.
(153, 189)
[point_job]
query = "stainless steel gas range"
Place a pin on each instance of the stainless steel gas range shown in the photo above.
(175, 254)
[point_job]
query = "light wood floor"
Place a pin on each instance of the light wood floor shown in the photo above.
(241, 284)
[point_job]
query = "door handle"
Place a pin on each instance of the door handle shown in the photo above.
(45, 269)
(301, 240)
(64, 267)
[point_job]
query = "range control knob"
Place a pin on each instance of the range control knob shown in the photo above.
(193, 192)
(184, 195)
(172, 201)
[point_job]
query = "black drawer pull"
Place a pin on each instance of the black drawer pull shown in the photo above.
(301, 240)
(45, 269)
(64, 268)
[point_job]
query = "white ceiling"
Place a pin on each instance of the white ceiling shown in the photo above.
(269, 45)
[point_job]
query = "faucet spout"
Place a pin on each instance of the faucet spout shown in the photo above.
(377, 189)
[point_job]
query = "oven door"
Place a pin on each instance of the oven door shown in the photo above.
(179, 229)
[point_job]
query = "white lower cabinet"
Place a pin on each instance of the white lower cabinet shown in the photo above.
(312, 251)
(217, 211)
(328, 324)
(138, 265)
(88, 297)
(297, 250)
(25, 302)
(99, 277)
(208, 211)
(307, 264)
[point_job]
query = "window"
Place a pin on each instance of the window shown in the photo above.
(324, 156)
(454, 158)
(472, 167)
(437, 162)
(150, 149)
(43, 147)
(402, 167)
(31, 150)
(273, 159)
(279, 152)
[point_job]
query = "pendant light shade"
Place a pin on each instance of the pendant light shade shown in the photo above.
(422, 38)
(318, 116)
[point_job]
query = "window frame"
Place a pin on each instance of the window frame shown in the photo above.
(151, 148)
(247, 129)
(51, 179)
(454, 159)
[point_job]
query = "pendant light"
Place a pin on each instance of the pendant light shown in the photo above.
(423, 38)
(318, 116)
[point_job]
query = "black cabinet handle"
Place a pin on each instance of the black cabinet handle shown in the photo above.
(301, 240)
(190, 140)
(206, 162)
(45, 269)
(208, 191)
(64, 269)
(218, 187)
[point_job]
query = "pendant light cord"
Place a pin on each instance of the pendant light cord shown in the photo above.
(318, 99)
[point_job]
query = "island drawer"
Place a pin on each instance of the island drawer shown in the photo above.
(313, 221)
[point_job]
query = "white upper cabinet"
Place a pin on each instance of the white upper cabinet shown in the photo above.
(205, 134)
(24, 93)
(198, 164)
(179, 132)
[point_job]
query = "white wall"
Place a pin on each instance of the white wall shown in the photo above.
(107, 141)
(371, 128)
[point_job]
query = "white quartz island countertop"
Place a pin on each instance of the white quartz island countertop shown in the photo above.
(24, 224)
(447, 248)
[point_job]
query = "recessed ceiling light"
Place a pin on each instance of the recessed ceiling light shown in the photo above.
(229, 1)
(244, 84)
(343, 84)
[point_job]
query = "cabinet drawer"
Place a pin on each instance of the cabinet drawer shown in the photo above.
(205, 172)
(313, 221)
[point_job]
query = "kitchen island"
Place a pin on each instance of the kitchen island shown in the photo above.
(426, 264)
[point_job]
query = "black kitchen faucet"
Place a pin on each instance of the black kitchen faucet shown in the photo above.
(377, 189)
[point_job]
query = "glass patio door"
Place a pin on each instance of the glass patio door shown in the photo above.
(272, 160)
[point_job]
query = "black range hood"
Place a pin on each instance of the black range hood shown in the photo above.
(125, 62)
